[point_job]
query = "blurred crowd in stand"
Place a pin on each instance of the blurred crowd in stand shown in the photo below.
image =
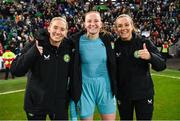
(19, 20)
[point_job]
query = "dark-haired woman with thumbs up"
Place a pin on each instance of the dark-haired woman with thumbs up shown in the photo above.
(134, 55)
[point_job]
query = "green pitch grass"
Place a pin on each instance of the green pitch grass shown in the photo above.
(166, 105)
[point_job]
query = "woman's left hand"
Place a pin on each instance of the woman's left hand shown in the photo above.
(144, 53)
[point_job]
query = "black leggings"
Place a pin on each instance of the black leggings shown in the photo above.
(52, 116)
(7, 72)
(143, 109)
(60, 112)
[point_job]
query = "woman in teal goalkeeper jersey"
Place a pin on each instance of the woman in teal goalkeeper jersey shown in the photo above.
(94, 72)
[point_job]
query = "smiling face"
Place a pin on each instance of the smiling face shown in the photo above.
(93, 23)
(124, 27)
(57, 30)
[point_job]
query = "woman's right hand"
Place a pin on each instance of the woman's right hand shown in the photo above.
(40, 48)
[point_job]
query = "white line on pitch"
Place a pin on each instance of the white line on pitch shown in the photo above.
(15, 91)
(174, 77)
(10, 92)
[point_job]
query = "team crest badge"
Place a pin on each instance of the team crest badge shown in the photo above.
(66, 58)
(136, 54)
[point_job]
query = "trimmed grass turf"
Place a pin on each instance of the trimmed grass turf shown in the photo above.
(167, 98)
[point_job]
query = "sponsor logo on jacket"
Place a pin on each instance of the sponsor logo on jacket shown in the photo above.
(46, 57)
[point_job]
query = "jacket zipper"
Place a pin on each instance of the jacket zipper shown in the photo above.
(56, 79)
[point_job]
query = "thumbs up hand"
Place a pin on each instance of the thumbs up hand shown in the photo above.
(40, 48)
(144, 53)
(144, 46)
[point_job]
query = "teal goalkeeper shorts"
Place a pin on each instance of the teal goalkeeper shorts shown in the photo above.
(96, 92)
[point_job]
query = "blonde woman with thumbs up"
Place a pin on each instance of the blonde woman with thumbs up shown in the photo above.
(134, 55)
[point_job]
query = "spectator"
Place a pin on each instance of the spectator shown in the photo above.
(165, 50)
(8, 56)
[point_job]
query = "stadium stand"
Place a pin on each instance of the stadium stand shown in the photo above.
(157, 20)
